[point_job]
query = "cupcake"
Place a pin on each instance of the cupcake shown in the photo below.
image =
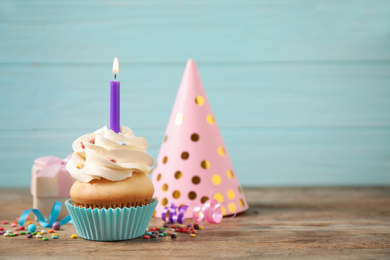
(112, 197)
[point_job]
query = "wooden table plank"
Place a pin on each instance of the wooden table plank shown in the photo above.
(303, 223)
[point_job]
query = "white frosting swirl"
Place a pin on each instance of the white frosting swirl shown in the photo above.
(105, 154)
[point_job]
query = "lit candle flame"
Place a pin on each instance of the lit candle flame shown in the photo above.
(115, 66)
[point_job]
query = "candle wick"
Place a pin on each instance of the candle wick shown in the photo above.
(114, 76)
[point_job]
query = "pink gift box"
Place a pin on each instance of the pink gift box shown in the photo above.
(50, 182)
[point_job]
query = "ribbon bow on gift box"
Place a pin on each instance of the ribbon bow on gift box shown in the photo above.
(49, 167)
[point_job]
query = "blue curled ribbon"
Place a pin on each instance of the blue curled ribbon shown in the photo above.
(55, 211)
(175, 214)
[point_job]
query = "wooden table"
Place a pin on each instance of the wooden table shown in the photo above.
(284, 223)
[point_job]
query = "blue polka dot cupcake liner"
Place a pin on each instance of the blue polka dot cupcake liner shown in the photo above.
(111, 224)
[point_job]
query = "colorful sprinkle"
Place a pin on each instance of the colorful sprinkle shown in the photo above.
(16, 233)
(45, 239)
(51, 231)
(54, 234)
(2, 232)
(200, 227)
(54, 237)
(73, 236)
(148, 233)
(5, 222)
(161, 228)
(56, 225)
(34, 233)
(29, 222)
(43, 231)
(161, 234)
(38, 235)
(6, 234)
(194, 232)
(1, 228)
(153, 235)
(13, 225)
(146, 237)
(196, 226)
(22, 233)
(32, 227)
(193, 235)
(174, 235)
(21, 228)
(111, 159)
(29, 236)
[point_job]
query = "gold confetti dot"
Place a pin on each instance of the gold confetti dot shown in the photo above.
(205, 164)
(229, 173)
(165, 187)
(79, 165)
(223, 210)
(185, 155)
(242, 204)
(165, 139)
(159, 177)
(232, 207)
(204, 199)
(176, 194)
(195, 137)
(179, 119)
(192, 195)
(195, 180)
(216, 179)
(210, 119)
(178, 175)
(199, 100)
(218, 196)
(221, 151)
(164, 202)
(165, 159)
(231, 195)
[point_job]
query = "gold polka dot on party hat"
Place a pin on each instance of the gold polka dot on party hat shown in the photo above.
(165, 159)
(199, 100)
(159, 177)
(204, 199)
(164, 202)
(223, 210)
(185, 155)
(221, 151)
(218, 196)
(216, 179)
(210, 119)
(176, 194)
(231, 195)
(165, 187)
(178, 175)
(229, 173)
(179, 119)
(195, 137)
(232, 207)
(192, 195)
(195, 180)
(242, 204)
(205, 164)
(165, 139)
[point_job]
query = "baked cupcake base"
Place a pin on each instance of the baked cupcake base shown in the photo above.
(111, 224)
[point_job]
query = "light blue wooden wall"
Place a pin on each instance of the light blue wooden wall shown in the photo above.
(300, 89)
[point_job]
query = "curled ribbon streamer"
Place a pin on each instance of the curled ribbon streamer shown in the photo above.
(173, 216)
(55, 211)
(210, 210)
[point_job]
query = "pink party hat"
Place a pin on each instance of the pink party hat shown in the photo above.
(193, 165)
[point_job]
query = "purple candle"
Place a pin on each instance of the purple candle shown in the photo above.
(115, 99)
